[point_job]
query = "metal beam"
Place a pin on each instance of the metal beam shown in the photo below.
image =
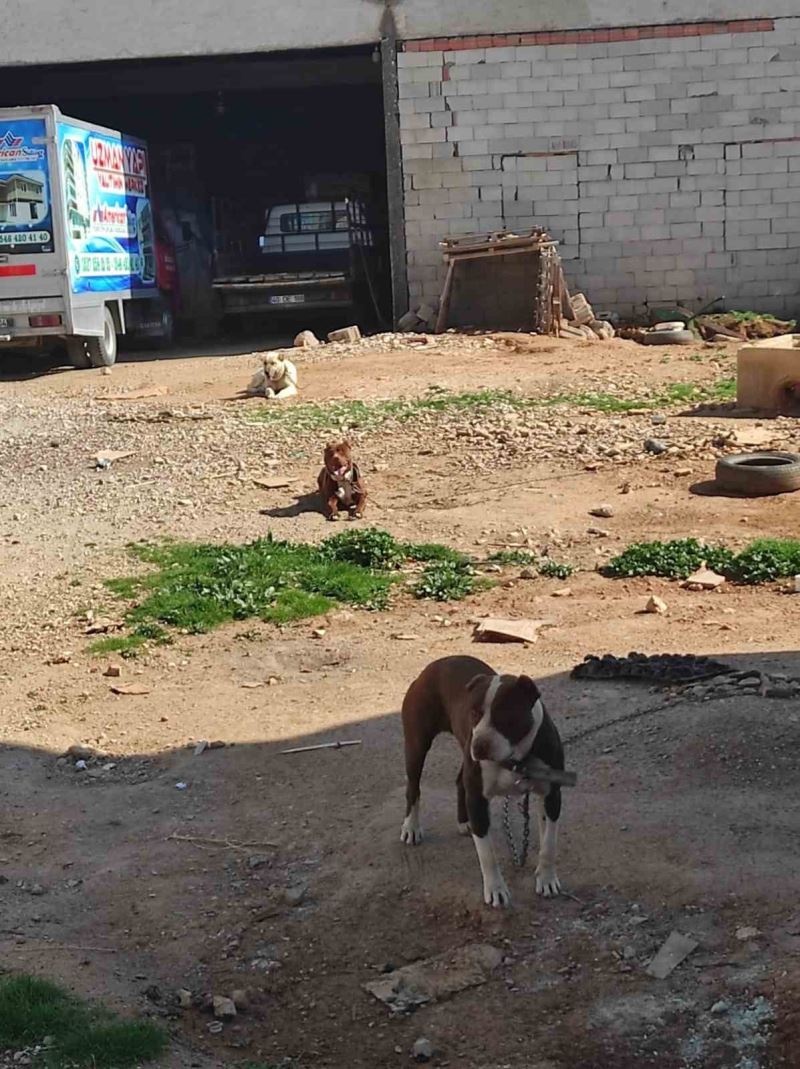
(394, 172)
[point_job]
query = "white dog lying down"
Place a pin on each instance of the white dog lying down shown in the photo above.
(276, 379)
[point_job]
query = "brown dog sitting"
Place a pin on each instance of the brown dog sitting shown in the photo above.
(340, 484)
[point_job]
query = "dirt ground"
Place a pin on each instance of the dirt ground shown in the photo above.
(284, 874)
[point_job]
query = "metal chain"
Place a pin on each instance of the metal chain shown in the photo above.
(520, 856)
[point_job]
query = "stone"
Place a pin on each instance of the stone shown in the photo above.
(703, 579)
(604, 512)
(720, 1007)
(80, 752)
(113, 671)
(240, 998)
(654, 446)
(602, 329)
(747, 932)
(422, 1051)
(184, 997)
(582, 310)
(409, 322)
(656, 604)
(346, 334)
(529, 573)
(306, 339)
(224, 1008)
(295, 893)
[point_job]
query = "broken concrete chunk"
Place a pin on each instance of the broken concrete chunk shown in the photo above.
(675, 949)
(704, 579)
(306, 339)
(495, 630)
(582, 310)
(436, 978)
(346, 334)
(224, 1008)
(655, 604)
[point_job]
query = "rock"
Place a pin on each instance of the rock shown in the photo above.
(598, 532)
(604, 512)
(306, 339)
(422, 1051)
(257, 861)
(703, 579)
(656, 604)
(529, 573)
(319, 632)
(295, 893)
(184, 998)
(658, 419)
(747, 932)
(113, 671)
(494, 630)
(602, 329)
(720, 1007)
(564, 592)
(655, 446)
(240, 998)
(80, 752)
(409, 322)
(224, 1008)
(346, 334)
(675, 948)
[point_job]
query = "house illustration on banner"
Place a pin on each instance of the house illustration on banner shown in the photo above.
(21, 198)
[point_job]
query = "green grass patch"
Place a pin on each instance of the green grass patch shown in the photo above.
(196, 587)
(670, 560)
(370, 415)
(545, 566)
(763, 561)
(447, 580)
(80, 1035)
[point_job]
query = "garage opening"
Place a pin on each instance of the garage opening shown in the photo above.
(268, 179)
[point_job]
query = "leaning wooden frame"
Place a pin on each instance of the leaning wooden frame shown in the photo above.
(546, 298)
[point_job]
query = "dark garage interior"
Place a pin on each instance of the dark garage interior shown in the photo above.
(228, 137)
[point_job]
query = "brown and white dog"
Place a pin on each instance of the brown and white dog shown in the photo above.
(498, 720)
(340, 483)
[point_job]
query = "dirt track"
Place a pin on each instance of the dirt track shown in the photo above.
(684, 818)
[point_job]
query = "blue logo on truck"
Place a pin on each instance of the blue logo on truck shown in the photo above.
(26, 223)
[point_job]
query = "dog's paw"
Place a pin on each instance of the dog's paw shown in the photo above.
(269, 393)
(547, 883)
(496, 894)
(411, 832)
(464, 829)
(334, 516)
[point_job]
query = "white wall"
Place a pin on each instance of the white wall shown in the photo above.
(69, 31)
(669, 169)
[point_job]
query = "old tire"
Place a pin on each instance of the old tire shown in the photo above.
(76, 353)
(102, 352)
(759, 474)
(669, 337)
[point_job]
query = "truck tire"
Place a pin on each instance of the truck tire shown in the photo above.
(102, 352)
(759, 474)
(76, 353)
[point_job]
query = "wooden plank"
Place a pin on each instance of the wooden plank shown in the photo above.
(444, 303)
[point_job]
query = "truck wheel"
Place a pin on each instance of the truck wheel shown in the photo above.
(76, 353)
(103, 351)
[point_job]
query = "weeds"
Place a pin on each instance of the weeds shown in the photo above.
(763, 561)
(79, 1035)
(670, 560)
(370, 415)
(195, 587)
(446, 580)
(544, 565)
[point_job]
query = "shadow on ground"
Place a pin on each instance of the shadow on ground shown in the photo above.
(244, 867)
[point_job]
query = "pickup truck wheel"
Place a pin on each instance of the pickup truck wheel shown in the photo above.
(76, 353)
(103, 351)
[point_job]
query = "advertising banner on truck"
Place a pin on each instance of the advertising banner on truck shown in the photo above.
(108, 216)
(26, 217)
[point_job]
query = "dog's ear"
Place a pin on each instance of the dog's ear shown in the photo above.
(526, 685)
(475, 682)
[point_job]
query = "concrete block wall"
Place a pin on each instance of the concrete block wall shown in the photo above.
(665, 159)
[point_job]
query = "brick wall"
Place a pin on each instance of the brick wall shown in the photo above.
(665, 159)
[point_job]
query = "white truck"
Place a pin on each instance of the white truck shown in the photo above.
(78, 256)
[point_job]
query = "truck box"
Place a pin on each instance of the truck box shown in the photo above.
(77, 236)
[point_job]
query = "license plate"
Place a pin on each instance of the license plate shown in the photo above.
(288, 298)
(5, 322)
